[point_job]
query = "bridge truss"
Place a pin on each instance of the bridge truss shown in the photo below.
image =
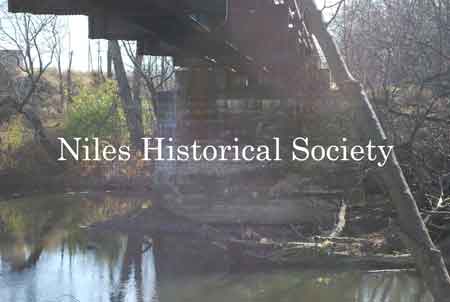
(265, 42)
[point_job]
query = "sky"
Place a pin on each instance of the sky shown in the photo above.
(77, 40)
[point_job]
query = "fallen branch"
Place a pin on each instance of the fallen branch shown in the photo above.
(438, 213)
(317, 252)
(341, 221)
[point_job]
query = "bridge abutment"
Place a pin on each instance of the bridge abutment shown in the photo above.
(257, 192)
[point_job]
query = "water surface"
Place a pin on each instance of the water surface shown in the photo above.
(48, 254)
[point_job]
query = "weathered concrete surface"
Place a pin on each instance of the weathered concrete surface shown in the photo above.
(257, 192)
(311, 209)
(259, 195)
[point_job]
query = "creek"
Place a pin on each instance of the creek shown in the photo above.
(48, 254)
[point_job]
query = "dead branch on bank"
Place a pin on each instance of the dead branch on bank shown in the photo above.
(331, 252)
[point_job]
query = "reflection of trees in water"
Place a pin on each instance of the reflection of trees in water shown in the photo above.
(131, 271)
(131, 267)
(22, 255)
(26, 217)
(15, 245)
(390, 287)
(52, 225)
(303, 285)
(32, 226)
(123, 256)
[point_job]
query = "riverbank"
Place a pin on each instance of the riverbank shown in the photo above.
(243, 245)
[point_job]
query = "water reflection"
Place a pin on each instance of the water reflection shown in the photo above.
(285, 286)
(65, 273)
(46, 256)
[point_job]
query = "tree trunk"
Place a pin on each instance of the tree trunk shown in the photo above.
(69, 79)
(109, 62)
(131, 106)
(61, 84)
(41, 133)
(428, 258)
(137, 78)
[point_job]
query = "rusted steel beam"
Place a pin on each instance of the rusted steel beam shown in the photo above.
(253, 23)
(155, 47)
(115, 27)
(197, 29)
(213, 8)
(56, 7)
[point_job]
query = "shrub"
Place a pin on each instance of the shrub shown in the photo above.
(13, 136)
(96, 112)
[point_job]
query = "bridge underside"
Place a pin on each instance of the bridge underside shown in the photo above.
(262, 41)
(263, 47)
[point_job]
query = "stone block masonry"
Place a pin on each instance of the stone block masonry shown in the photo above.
(254, 191)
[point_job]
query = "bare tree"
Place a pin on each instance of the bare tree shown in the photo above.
(109, 62)
(394, 44)
(400, 50)
(69, 78)
(35, 38)
(157, 74)
(59, 39)
(131, 105)
(428, 258)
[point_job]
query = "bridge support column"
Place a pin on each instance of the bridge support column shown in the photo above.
(196, 99)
